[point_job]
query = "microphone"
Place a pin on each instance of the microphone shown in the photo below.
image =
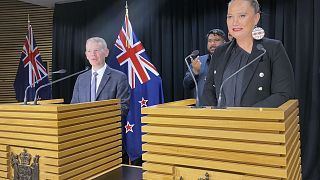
(61, 71)
(58, 80)
(194, 53)
(259, 47)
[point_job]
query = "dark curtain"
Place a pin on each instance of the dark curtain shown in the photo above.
(69, 35)
(170, 30)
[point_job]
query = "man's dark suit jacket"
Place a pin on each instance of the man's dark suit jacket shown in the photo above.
(114, 85)
(268, 82)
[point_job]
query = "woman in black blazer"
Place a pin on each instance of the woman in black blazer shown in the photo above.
(266, 78)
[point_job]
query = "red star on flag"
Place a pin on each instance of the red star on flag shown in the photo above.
(143, 102)
(129, 127)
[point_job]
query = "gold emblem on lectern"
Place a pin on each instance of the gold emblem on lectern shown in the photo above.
(22, 168)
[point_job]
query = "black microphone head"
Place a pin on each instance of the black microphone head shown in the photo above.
(260, 47)
(61, 71)
(194, 53)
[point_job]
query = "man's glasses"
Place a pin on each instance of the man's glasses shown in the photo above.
(94, 50)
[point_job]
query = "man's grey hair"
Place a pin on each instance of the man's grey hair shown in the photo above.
(98, 40)
(254, 3)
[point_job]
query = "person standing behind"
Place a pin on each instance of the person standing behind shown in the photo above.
(199, 65)
(267, 81)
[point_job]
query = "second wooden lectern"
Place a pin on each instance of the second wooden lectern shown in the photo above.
(185, 143)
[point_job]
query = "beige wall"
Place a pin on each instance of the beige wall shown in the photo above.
(13, 29)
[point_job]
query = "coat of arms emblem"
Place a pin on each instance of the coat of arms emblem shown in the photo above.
(22, 168)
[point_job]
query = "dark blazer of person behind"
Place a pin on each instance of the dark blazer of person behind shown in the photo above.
(267, 82)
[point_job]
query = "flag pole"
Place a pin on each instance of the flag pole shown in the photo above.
(127, 10)
(29, 49)
(28, 21)
(127, 15)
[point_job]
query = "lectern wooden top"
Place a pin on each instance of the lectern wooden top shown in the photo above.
(183, 108)
(51, 106)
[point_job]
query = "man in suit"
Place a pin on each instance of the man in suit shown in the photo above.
(199, 65)
(101, 82)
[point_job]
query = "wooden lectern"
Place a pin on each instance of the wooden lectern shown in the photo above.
(72, 141)
(185, 143)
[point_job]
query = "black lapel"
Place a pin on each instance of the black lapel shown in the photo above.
(87, 86)
(104, 80)
(249, 71)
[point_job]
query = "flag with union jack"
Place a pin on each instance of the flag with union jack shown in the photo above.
(130, 57)
(31, 71)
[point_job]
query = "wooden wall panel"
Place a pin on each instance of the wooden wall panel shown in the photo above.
(13, 29)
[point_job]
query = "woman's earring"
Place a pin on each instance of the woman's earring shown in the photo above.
(258, 33)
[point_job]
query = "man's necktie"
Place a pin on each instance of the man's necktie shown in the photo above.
(93, 86)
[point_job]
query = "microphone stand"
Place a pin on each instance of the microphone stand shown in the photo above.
(194, 80)
(224, 81)
(27, 88)
(58, 80)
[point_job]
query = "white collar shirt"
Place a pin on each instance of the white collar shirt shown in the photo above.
(99, 76)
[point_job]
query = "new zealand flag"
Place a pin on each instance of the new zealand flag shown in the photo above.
(31, 71)
(146, 84)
